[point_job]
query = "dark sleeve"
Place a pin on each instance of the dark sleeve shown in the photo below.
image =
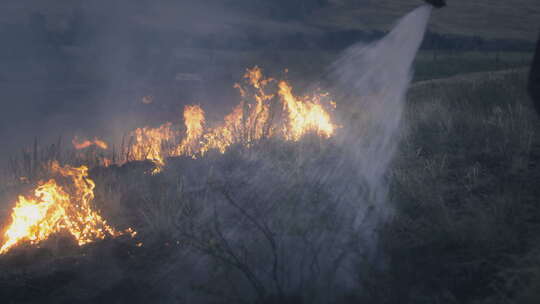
(534, 78)
(437, 3)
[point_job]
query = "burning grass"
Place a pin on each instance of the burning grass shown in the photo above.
(258, 216)
(268, 109)
(53, 208)
(260, 115)
(259, 221)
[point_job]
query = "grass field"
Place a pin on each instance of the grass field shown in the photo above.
(464, 227)
(464, 185)
(276, 221)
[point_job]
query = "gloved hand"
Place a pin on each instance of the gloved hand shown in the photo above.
(437, 3)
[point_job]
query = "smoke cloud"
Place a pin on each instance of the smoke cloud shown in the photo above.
(83, 67)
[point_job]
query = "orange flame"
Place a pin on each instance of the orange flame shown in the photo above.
(255, 117)
(79, 145)
(268, 108)
(194, 121)
(54, 208)
(148, 144)
(106, 162)
(255, 120)
(304, 115)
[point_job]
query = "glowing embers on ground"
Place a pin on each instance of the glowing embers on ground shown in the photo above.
(268, 109)
(61, 204)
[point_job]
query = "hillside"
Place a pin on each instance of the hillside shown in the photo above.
(516, 19)
(464, 226)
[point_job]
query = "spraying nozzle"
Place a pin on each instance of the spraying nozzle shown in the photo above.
(437, 3)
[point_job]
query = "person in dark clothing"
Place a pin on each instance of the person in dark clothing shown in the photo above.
(534, 78)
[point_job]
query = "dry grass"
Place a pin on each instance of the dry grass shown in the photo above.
(465, 198)
(258, 225)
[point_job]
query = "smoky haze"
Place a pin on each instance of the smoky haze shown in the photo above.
(83, 67)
